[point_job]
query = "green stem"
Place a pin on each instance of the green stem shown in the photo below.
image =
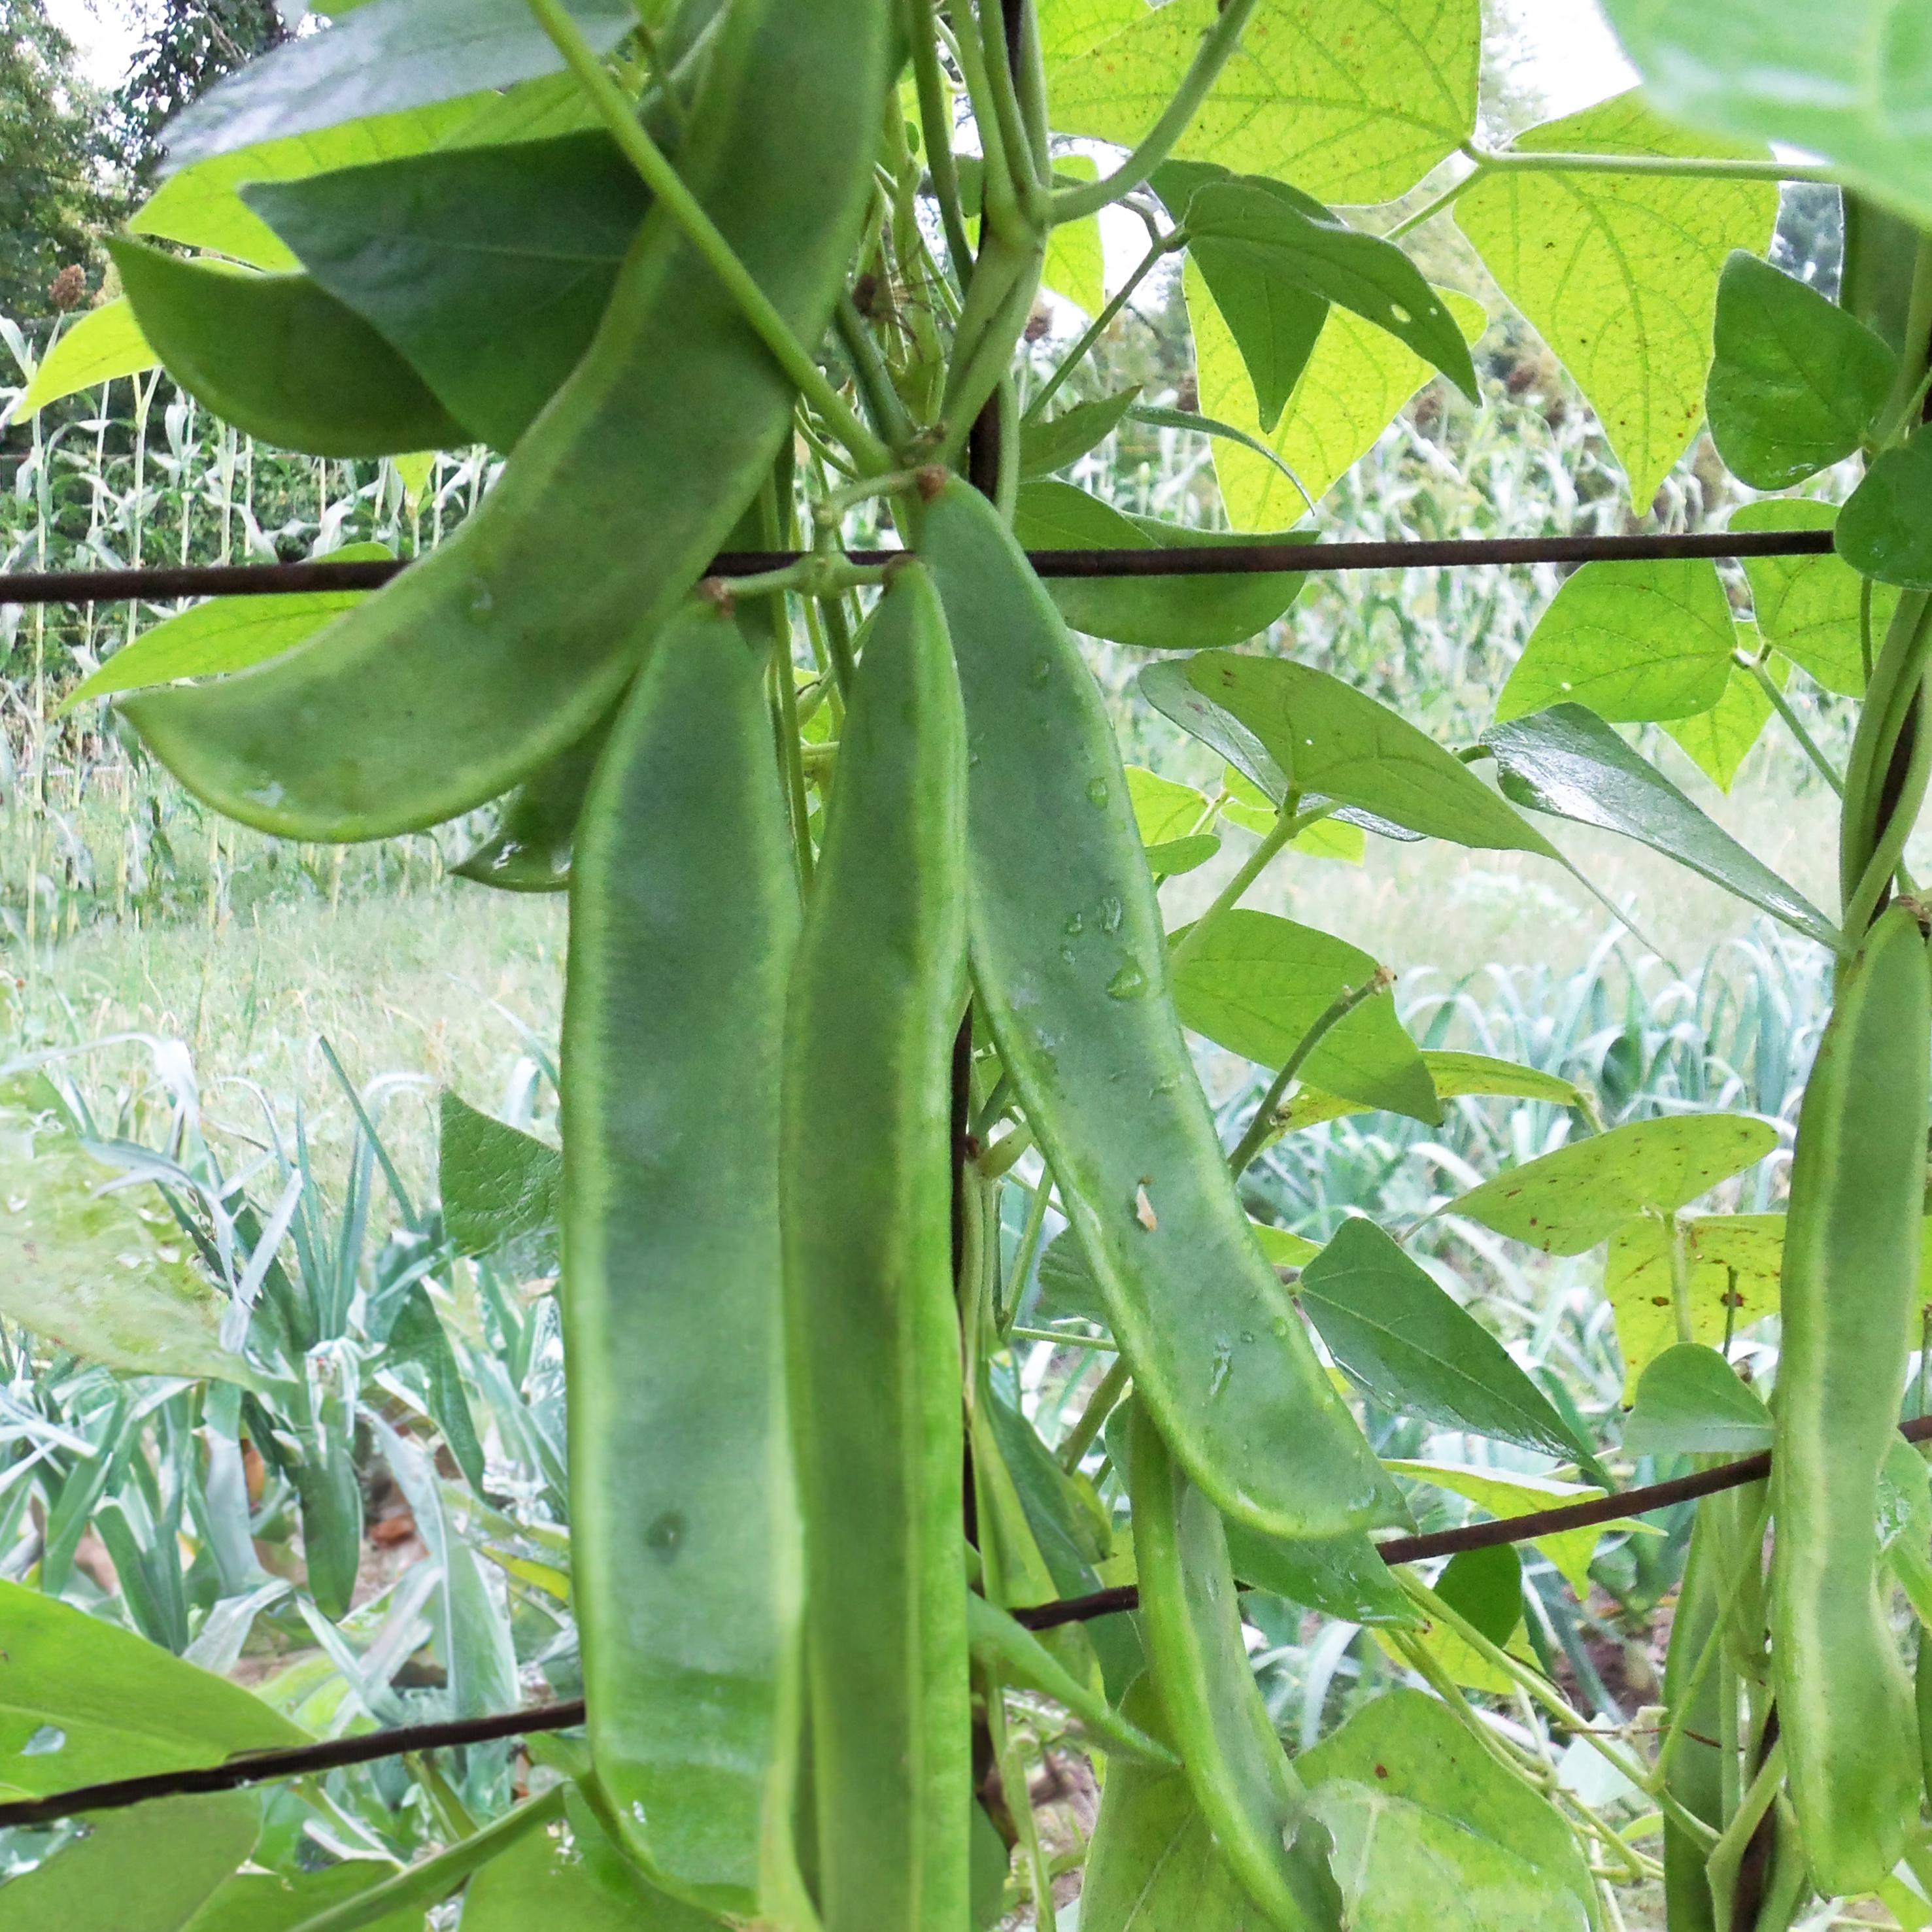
(1093, 1342)
(1102, 323)
(935, 121)
(1286, 827)
(1216, 49)
(1913, 362)
(1009, 121)
(1672, 167)
(1100, 1405)
(1895, 681)
(1430, 210)
(1029, 1242)
(999, 301)
(1000, 211)
(889, 413)
(1726, 1857)
(1680, 1281)
(1344, 1003)
(667, 187)
(1890, 849)
(1792, 722)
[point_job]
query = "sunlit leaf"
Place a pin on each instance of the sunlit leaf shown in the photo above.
(106, 343)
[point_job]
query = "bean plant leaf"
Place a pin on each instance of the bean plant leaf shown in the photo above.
(387, 56)
(1164, 809)
(265, 1901)
(1161, 613)
(1506, 1494)
(1884, 531)
(1807, 607)
(1281, 245)
(1732, 1263)
(1355, 100)
(1257, 984)
(1633, 642)
(1689, 1402)
(1851, 85)
(1341, 1576)
(106, 343)
(1325, 739)
(1076, 265)
(82, 1703)
(1797, 382)
(97, 1266)
(160, 1863)
(224, 635)
(1070, 28)
(1567, 762)
(1411, 1347)
(1057, 442)
(1352, 386)
(488, 269)
(279, 357)
(1455, 1076)
(1618, 273)
(1718, 740)
(498, 1183)
(1566, 1202)
(202, 206)
(1430, 1829)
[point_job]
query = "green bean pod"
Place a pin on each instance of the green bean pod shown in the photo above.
(872, 1328)
(529, 850)
(1069, 962)
(683, 919)
(506, 645)
(1239, 1773)
(1849, 1302)
(1695, 1775)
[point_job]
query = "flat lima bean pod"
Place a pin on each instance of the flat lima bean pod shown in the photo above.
(1849, 1299)
(1240, 1775)
(683, 919)
(505, 646)
(1070, 963)
(872, 1326)
(1695, 1776)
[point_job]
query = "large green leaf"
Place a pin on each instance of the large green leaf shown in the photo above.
(107, 1274)
(150, 1868)
(1853, 83)
(1618, 273)
(1566, 761)
(497, 1183)
(105, 343)
(1068, 28)
(1731, 1266)
(1690, 1402)
(279, 357)
(84, 1702)
(392, 55)
(1807, 607)
(1355, 101)
(487, 268)
(1411, 1347)
(1455, 1076)
(1635, 642)
(1325, 739)
(1884, 532)
(1266, 251)
(1160, 613)
(225, 634)
(1797, 382)
(1566, 1202)
(1431, 1830)
(1352, 388)
(1257, 984)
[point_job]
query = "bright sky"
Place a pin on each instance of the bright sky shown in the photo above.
(1572, 60)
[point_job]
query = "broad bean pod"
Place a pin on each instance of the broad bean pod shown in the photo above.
(1069, 962)
(507, 644)
(872, 1326)
(1849, 1299)
(683, 919)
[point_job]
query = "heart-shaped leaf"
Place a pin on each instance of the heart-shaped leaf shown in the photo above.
(1689, 1402)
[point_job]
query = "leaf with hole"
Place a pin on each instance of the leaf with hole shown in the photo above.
(1159, 613)
(1732, 1264)
(1323, 739)
(1257, 984)
(1618, 272)
(1634, 642)
(1566, 1202)
(1690, 1402)
(1797, 383)
(1413, 1350)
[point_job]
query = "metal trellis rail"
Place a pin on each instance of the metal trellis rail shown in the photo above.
(1219, 559)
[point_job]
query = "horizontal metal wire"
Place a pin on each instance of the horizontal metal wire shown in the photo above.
(307, 1760)
(167, 582)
